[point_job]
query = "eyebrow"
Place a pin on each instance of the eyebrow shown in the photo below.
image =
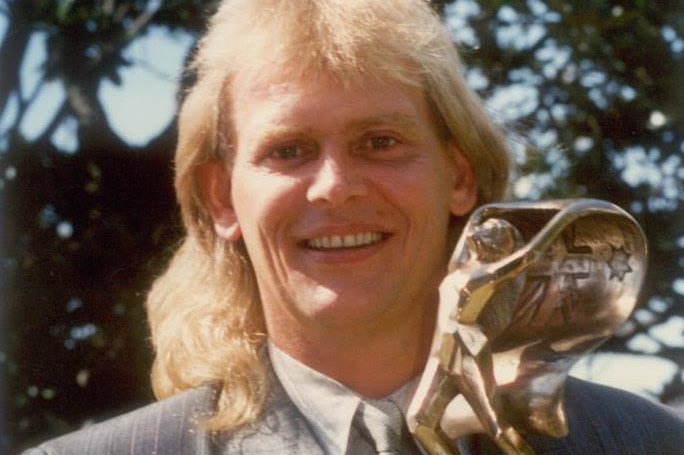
(408, 125)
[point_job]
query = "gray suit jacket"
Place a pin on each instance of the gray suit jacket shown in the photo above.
(602, 421)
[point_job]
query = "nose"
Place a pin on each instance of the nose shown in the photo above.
(336, 180)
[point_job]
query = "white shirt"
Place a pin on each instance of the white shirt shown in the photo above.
(316, 394)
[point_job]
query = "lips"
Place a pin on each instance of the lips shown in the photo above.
(328, 242)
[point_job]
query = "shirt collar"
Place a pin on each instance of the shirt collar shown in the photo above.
(315, 395)
(327, 405)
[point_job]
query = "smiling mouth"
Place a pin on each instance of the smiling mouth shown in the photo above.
(361, 239)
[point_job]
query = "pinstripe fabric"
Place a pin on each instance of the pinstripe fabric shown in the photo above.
(606, 421)
(602, 421)
(282, 430)
(169, 427)
(166, 427)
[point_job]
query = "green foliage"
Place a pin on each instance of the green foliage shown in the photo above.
(590, 91)
(83, 234)
(594, 88)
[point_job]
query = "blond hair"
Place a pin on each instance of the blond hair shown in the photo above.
(204, 312)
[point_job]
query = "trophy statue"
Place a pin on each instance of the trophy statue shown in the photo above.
(531, 288)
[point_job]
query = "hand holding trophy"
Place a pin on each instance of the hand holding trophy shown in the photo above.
(531, 288)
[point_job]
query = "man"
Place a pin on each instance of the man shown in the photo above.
(328, 155)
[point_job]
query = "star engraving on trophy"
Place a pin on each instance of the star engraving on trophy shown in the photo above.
(619, 263)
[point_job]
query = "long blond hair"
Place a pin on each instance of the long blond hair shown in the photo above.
(204, 311)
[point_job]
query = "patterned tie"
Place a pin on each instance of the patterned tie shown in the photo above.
(382, 424)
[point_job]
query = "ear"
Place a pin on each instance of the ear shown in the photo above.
(464, 195)
(213, 180)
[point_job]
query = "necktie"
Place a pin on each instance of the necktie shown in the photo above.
(382, 424)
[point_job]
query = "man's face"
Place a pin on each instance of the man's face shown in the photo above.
(343, 199)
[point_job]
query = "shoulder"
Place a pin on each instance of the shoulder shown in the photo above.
(605, 420)
(171, 426)
(167, 426)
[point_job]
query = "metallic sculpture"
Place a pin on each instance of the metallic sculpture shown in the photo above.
(532, 287)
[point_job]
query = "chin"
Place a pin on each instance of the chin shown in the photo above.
(331, 308)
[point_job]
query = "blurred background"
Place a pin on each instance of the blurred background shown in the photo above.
(590, 91)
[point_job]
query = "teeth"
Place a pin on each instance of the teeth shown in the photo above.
(346, 241)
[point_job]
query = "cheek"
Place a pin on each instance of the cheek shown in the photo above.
(250, 205)
(263, 203)
(427, 194)
(430, 205)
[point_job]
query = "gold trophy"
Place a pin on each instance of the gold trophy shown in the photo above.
(532, 287)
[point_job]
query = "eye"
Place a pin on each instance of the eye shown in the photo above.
(287, 155)
(287, 152)
(381, 142)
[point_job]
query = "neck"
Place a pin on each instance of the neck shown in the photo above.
(374, 360)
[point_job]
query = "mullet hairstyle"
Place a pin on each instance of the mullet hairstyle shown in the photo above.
(204, 311)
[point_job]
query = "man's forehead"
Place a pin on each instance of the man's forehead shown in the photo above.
(275, 98)
(279, 81)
